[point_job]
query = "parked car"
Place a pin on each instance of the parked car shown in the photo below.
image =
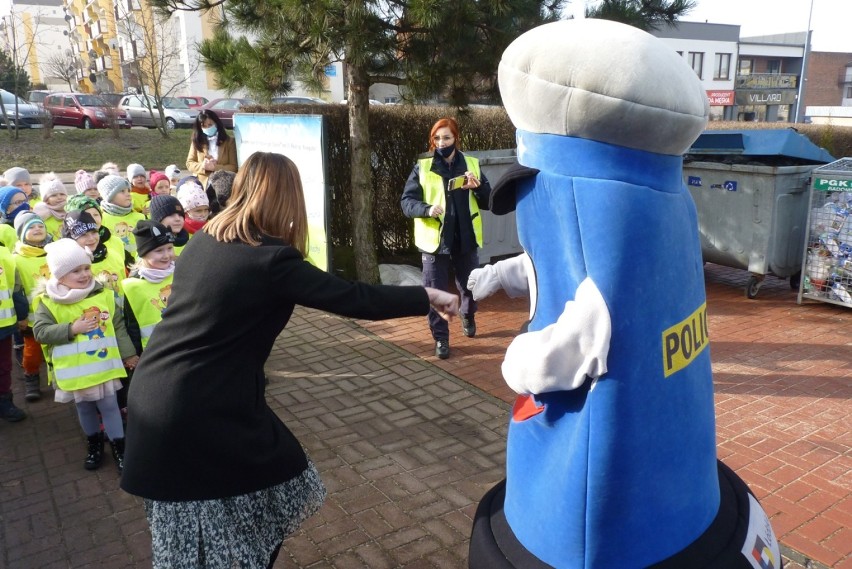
(298, 100)
(225, 109)
(177, 113)
(113, 98)
(37, 97)
(194, 102)
(26, 115)
(84, 111)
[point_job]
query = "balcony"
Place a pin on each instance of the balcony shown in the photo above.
(767, 81)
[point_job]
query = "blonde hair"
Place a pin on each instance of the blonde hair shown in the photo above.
(266, 198)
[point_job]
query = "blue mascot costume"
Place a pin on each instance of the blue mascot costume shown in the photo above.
(611, 453)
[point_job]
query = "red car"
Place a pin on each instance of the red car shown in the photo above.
(194, 102)
(225, 109)
(84, 110)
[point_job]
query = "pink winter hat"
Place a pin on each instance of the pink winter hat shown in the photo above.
(157, 177)
(83, 181)
(192, 196)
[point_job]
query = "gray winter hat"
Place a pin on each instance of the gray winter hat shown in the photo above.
(111, 185)
(16, 175)
(134, 170)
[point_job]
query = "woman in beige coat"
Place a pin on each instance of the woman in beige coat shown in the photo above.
(211, 148)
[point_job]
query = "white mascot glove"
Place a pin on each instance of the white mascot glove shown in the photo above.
(560, 356)
(483, 282)
(510, 275)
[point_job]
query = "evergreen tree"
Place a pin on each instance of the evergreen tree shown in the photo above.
(11, 79)
(436, 48)
(643, 14)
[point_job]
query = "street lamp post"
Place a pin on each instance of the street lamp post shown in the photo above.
(799, 98)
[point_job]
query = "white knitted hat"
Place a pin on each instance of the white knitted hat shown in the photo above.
(64, 256)
(172, 171)
(190, 195)
(50, 185)
(111, 185)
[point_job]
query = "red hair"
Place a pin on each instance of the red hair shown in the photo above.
(449, 123)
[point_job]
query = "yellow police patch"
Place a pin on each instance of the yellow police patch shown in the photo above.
(684, 341)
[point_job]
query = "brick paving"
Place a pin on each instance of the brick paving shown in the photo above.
(407, 444)
(783, 380)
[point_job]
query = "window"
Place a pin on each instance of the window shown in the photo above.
(696, 61)
(773, 66)
(746, 66)
(849, 92)
(723, 66)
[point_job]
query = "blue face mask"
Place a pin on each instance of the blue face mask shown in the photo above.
(210, 130)
(21, 208)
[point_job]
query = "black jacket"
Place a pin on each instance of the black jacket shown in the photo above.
(198, 426)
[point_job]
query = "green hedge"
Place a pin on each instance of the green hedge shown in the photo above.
(399, 134)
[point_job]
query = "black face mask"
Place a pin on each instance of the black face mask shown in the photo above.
(446, 151)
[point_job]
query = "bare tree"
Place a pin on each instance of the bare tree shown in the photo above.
(152, 50)
(64, 67)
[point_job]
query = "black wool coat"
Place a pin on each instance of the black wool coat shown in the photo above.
(198, 426)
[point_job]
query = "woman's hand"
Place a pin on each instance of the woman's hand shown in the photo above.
(131, 362)
(210, 163)
(436, 211)
(472, 181)
(444, 303)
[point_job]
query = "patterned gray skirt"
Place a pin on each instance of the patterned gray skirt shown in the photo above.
(239, 532)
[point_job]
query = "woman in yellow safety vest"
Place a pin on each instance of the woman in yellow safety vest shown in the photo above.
(147, 290)
(444, 195)
(86, 346)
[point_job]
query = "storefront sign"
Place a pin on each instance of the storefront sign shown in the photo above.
(766, 97)
(766, 81)
(720, 98)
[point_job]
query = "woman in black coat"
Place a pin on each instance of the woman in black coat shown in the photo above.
(224, 480)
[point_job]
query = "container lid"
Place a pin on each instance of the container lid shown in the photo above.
(842, 166)
(769, 146)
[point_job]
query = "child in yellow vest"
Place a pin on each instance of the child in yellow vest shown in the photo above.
(13, 316)
(107, 266)
(168, 211)
(147, 290)
(86, 345)
(31, 265)
(140, 191)
(52, 206)
(114, 245)
(118, 214)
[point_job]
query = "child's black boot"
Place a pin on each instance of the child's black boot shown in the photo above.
(95, 453)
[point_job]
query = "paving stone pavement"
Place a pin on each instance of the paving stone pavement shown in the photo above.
(405, 449)
(407, 445)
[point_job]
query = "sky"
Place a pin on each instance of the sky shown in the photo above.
(831, 21)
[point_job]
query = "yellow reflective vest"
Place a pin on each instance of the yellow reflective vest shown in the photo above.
(92, 358)
(30, 270)
(427, 230)
(7, 285)
(148, 301)
(121, 228)
(110, 271)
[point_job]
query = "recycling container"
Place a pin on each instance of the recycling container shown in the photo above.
(750, 189)
(827, 260)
